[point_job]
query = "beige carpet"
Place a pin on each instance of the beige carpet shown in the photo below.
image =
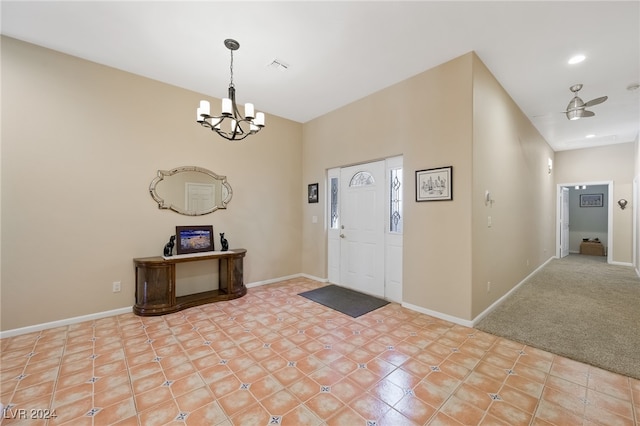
(579, 307)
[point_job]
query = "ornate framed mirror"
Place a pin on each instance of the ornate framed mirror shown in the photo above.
(190, 190)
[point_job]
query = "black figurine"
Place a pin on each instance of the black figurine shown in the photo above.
(223, 242)
(168, 248)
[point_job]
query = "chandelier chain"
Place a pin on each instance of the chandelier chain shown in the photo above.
(231, 70)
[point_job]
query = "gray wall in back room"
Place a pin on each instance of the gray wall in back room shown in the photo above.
(587, 222)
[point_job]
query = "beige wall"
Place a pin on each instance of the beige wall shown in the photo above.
(510, 160)
(607, 163)
(80, 144)
(75, 177)
(427, 119)
(455, 114)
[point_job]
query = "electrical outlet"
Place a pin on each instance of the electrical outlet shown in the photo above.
(116, 286)
(488, 286)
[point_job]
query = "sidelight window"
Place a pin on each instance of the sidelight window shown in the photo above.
(395, 202)
(334, 203)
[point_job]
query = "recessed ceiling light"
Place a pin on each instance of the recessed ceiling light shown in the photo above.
(577, 59)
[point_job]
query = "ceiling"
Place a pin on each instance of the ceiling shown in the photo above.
(337, 52)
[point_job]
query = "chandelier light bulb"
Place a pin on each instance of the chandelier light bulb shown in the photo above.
(259, 120)
(205, 107)
(249, 110)
(227, 106)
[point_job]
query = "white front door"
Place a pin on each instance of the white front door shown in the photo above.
(564, 222)
(362, 191)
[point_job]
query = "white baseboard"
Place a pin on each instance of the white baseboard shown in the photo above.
(437, 314)
(472, 323)
(271, 281)
(120, 311)
(311, 277)
(63, 322)
(288, 277)
(621, 263)
(495, 304)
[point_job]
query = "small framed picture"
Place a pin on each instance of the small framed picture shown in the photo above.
(194, 239)
(434, 184)
(312, 193)
(591, 200)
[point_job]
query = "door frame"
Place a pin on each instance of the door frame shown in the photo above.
(635, 198)
(564, 220)
(609, 184)
(395, 240)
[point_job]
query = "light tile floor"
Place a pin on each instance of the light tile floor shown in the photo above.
(273, 357)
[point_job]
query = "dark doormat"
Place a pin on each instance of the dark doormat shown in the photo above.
(344, 300)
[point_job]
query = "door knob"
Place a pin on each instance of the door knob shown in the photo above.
(341, 235)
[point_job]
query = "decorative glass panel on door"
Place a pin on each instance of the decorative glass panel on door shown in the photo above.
(362, 179)
(395, 193)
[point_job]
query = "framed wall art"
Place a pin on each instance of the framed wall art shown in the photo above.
(434, 184)
(591, 200)
(194, 239)
(312, 193)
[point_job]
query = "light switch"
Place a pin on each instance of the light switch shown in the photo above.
(488, 221)
(314, 219)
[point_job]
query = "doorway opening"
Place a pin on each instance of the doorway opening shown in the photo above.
(584, 221)
(365, 224)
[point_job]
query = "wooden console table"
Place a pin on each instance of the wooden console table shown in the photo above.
(156, 282)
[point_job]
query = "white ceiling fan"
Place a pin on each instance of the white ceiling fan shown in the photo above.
(577, 108)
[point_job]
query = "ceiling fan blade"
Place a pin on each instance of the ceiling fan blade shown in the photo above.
(596, 101)
(578, 113)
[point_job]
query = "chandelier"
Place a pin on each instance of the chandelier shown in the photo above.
(230, 124)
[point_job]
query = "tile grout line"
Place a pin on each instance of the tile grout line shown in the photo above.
(539, 399)
(248, 318)
(120, 326)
